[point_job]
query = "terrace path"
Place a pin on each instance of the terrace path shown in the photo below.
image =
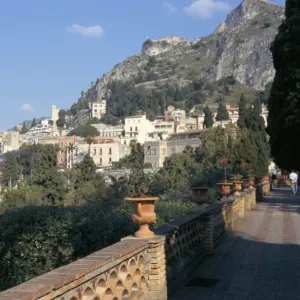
(259, 260)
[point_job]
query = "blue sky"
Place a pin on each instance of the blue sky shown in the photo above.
(52, 49)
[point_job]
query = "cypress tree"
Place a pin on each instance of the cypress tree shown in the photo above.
(33, 124)
(208, 119)
(24, 129)
(10, 171)
(242, 112)
(284, 100)
(222, 114)
(258, 138)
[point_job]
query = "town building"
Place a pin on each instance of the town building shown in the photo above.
(54, 113)
(157, 151)
(10, 141)
(161, 126)
(97, 108)
(103, 150)
(109, 130)
(136, 128)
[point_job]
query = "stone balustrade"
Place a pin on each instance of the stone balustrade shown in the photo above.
(141, 268)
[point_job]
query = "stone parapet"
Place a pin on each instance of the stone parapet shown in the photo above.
(141, 268)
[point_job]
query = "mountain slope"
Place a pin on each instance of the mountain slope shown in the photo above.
(170, 68)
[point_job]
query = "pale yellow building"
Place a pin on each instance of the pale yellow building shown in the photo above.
(98, 108)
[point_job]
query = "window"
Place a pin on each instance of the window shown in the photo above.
(157, 126)
(125, 142)
(100, 151)
(130, 128)
(76, 153)
(109, 151)
(61, 160)
(109, 160)
(95, 151)
(130, 134)
(61, 144)
(100, 161)
(164, 151)
(139, 121)
(136, 129)
(61, 151)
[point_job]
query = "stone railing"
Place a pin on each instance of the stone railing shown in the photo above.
(141, 268)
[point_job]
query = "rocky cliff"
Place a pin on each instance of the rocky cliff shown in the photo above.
(238, 48)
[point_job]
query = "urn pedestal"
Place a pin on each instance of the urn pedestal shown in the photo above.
(143, 215)
(199, 194)
(225, 189)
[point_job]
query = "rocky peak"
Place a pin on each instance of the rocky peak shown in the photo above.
(246, 11)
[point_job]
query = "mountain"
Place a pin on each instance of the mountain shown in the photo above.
(235, 58)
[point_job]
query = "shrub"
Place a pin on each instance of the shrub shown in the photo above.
(37, 239)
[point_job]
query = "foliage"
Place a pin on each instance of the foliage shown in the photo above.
(10, 171)
(208, 118)
(37, 239)
(33, 124)
(284, 100)
(36, 158)
(22, 195)
(84, 131)
(138, 181)
(61, 118)
(87, 169)
(222, 114)
(24, 129)
(242, 112)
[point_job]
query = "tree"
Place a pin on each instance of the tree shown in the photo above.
(61, 118)
(258, 137)
(242, 112)
(87, 168)
(84, 131)
(71, 148)
(33, 124)
(284, 100)
(208, 119)
(24, 129)
(10, 172)
(222, 114)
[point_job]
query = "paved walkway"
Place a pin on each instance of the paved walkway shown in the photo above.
(259, 261)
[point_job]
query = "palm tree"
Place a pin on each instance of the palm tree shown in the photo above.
(71, 149)
(89, 140)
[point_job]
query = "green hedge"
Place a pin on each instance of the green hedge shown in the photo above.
(37, 239)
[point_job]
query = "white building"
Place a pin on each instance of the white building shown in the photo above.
(109, 130)
(136, 128)
(54, 113)
(97, 108)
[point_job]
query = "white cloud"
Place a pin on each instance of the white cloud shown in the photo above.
(205, 9)
(86, 31)
(26, 107)
(170, 7)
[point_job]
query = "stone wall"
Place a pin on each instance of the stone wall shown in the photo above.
(141, 268)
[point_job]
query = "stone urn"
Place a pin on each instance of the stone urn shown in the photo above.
(143, 215)
(225, 189)
(246, 183)
(199, 194)
(252, 181)
(237, 185)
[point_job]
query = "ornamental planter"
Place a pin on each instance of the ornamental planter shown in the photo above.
(237, 185)
(143, 215)
(246, 183)
(252, 181)
(225, 189)
(199, 194)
